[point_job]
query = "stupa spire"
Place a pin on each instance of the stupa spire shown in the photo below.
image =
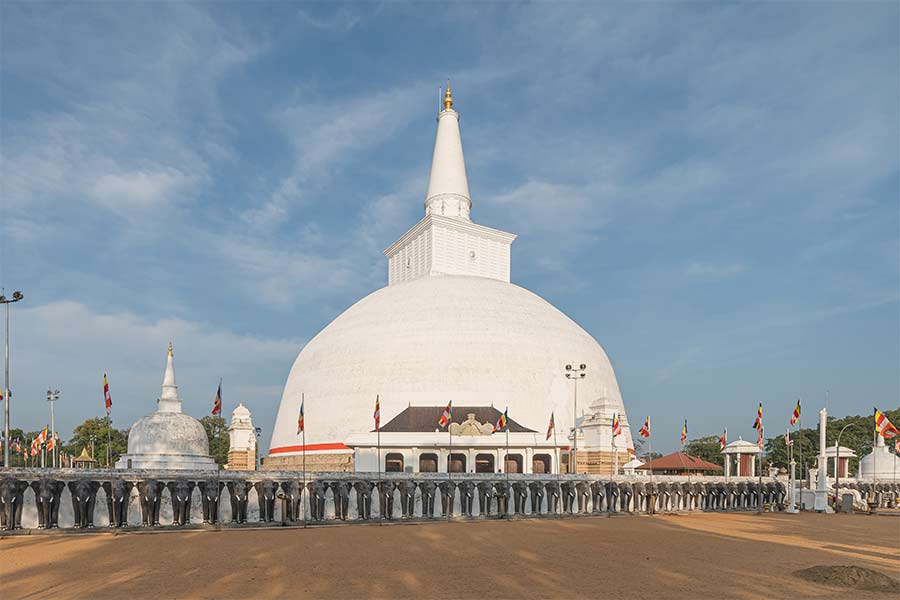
(448, 186)
(168, 400)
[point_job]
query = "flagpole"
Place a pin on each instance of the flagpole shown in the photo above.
(800, 446)
(450, 467)
(378, 434)
(650, 443)
(303, 445)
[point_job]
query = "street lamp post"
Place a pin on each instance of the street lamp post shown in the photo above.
(837, 468)
(52, 397)
(7, 301)
(258, 431)
(575, 374)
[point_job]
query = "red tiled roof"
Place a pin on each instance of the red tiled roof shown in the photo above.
(425, 418)
(679, 461)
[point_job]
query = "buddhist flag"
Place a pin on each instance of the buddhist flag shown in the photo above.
(616, 425)
(723, 441)
(684, 432)
(759, 438)
(796, 415)
(446, 415)
(377, 414)
(502, 422)
(106, 397)
(300, 423)
(787, 439)
(42, 437)
(883, 426)
(645, 428)
(896, 445)
(757, 424)
(550, 427)
(50, 443)
(1, 395)
(217, 402)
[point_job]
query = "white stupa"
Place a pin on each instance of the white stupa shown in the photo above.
(167, 438)
(449, 326)
(881, 464)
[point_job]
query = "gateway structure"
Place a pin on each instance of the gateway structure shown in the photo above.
(449, 326)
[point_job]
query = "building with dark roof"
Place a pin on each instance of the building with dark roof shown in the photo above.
(679, 463)
(415, 442)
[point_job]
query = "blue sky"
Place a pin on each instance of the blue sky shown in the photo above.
(711, 190)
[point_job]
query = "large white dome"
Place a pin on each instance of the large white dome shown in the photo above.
(473, 340)
(168, 433)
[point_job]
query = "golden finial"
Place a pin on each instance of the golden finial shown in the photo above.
(170, 348)
(448, 98)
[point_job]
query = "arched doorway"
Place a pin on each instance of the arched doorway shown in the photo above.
(484, 463)
(540, 463)
(393, 462)
(457, 463)
(428, 463)
(513, 463)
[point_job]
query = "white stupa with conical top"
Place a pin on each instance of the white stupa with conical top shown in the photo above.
(168, 438)
(449, 325)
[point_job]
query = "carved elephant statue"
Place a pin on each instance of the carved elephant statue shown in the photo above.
(584, 496)
(47, 496)
(239, 494)
(363, 498)
(448, 492)
(181, 491)
(316, 490)
(485, 496)
(84, 497)
(266, 493)
(687, 496)
(568, 493)
(740, 495)
(150, 499)
(210, 492)
(407, 488)
(553, 495)
(118, 497)
(12, 499)
(664, 497)
(781, 494)
(520, 497)
(675, 494)
(626, 493)
(386, 498)
(771, 492)
(754, 492)
(598, 494)
(612, 496)
(537, 497)
(428, 489)
(502, 491)
(466, 496)
(340, 490)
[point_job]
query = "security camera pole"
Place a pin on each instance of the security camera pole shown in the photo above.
(575, 374)
(7, 301)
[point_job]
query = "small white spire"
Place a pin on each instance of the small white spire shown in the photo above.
(168, 400)
(448, 186)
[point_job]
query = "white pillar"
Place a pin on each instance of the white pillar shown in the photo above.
(821, 502)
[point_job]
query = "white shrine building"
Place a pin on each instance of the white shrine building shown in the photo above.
(449, 326)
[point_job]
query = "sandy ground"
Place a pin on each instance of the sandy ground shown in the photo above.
(678, 556)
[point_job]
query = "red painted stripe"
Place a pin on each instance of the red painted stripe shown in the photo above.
(309, 448)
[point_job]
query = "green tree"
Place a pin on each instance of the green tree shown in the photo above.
(706, 448)
(97, 429)
(217, 432)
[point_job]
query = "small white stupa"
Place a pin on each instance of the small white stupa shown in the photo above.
(241, 440)
(167, 438)
(880, 464)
